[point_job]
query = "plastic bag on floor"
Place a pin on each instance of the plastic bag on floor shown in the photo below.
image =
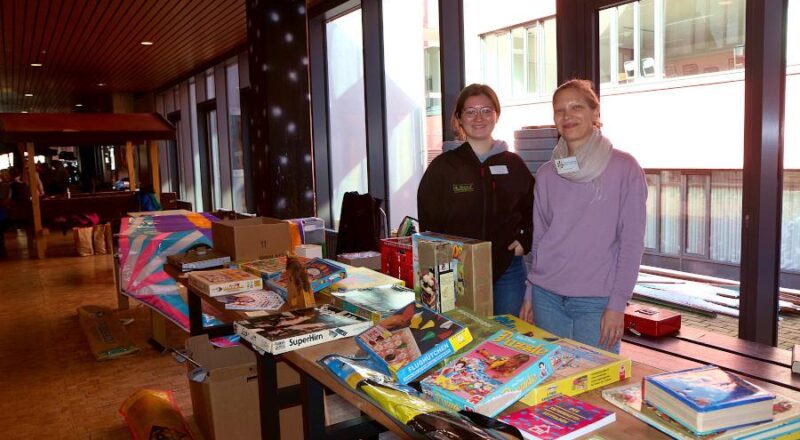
(83, 240)
(99, 238)
(154, 415)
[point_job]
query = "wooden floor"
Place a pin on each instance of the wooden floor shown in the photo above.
(50, 385)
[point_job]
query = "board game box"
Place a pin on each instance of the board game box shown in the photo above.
(373, 303)
(321, 273)
(224, 281)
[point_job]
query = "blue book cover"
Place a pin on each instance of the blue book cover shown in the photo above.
(411, 341)
(708, 388)
(493, 375)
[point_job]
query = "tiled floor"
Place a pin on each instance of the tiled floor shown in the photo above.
(51, 386)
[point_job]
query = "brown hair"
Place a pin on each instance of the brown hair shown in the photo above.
(466, 93)
(586, 89)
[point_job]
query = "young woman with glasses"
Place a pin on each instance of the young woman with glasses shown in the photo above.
(481, 190)
(588, 227)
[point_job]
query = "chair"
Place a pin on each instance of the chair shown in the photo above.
(648, 66)
(630, 69)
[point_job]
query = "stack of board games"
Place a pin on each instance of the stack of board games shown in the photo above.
(269, 268)
(224, 281)
(480, 328)
(562, 417)
(373, 303)
(708, 399)
(321, 273)
(292, 330)
(199, 258)
(578, 367)
(785, 417)
(364, 278)
(411, 341)
(253, 300)
(493, 375)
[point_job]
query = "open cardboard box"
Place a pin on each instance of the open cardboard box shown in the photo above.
(251, 238)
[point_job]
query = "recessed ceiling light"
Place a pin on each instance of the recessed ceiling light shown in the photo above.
(101, 84)
(29, 95)
(78, 105)
(147, 43)
(24, 111)
(36, 64)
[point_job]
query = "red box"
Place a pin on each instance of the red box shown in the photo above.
(397, 259)
(649, 321)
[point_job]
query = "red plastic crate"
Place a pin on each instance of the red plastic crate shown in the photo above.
(397, 259)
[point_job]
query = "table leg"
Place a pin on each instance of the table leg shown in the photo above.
(313, 408)
(268, 397)
(195, 313)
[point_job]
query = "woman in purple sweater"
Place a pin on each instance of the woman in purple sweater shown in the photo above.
(588, 227)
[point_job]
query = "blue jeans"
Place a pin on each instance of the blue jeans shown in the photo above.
(575, 318)
(509, 289)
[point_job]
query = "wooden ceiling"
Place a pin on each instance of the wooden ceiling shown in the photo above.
(91, 48)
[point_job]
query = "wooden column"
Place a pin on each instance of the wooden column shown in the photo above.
(131, 168)
(154, 169)
(38, 236)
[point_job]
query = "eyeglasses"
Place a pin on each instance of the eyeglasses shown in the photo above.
(470, 113)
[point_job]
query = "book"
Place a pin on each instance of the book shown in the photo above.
(412, 340)
(321, 273)
(785, 413)
(796, 359)
(364, 278)
(253, 300)
(374, 303)
(578, 367)
(708, 399)
(224, 281)
(198, 258)
(268, 268)
(493, 375)
(292, 330)
(562, 418)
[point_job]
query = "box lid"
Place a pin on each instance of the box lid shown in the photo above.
(220, 363)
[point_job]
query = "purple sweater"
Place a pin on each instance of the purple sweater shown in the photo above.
(588, 239)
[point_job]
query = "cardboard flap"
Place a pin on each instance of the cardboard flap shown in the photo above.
(218, 360)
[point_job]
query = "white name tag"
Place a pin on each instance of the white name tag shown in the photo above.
(567, 165)
(498, 169)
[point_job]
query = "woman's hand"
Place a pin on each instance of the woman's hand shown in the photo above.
(517, 248)
(611, 328)
(526, 311)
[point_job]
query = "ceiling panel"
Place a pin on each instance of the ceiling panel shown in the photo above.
(82, 44)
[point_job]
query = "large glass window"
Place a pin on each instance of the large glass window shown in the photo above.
(413, 101)
(346, 112)
(697, 189)
(790, 218)
(235, 140)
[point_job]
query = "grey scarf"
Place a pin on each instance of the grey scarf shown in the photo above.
(592, 158)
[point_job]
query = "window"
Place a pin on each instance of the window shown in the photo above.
(413, 98)
(235, 139)
(348, 136)
(790, 217)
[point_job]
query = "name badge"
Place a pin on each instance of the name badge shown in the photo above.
(498, 169)
(567, 165)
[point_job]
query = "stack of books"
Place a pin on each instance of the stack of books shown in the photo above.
(708, 399)
(493, 375)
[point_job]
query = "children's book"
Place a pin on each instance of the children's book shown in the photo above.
(707, 399)
(224, 281)
(321, 273)
(411, 341)
(269, 268)
(562, 418)
(288, 331)
(578, 367)
(253, 300)
(785, 412)
(493, 375)
(374, 303)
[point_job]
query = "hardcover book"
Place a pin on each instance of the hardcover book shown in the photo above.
(411, 341)
(785, 412)
(321, 273)
(253, 300)
(224, 281)
(373, 303)
(562, 418)
(269, 268)
(288, 331)
(707, 399)
(493, 375)
(199, 258)
(578, 367)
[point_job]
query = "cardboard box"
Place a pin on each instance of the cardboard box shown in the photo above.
(435, 272)
(368, 259)
(225, 402)
(473, 266)
(251, 238)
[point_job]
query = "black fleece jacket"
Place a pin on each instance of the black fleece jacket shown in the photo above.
(492, 201)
